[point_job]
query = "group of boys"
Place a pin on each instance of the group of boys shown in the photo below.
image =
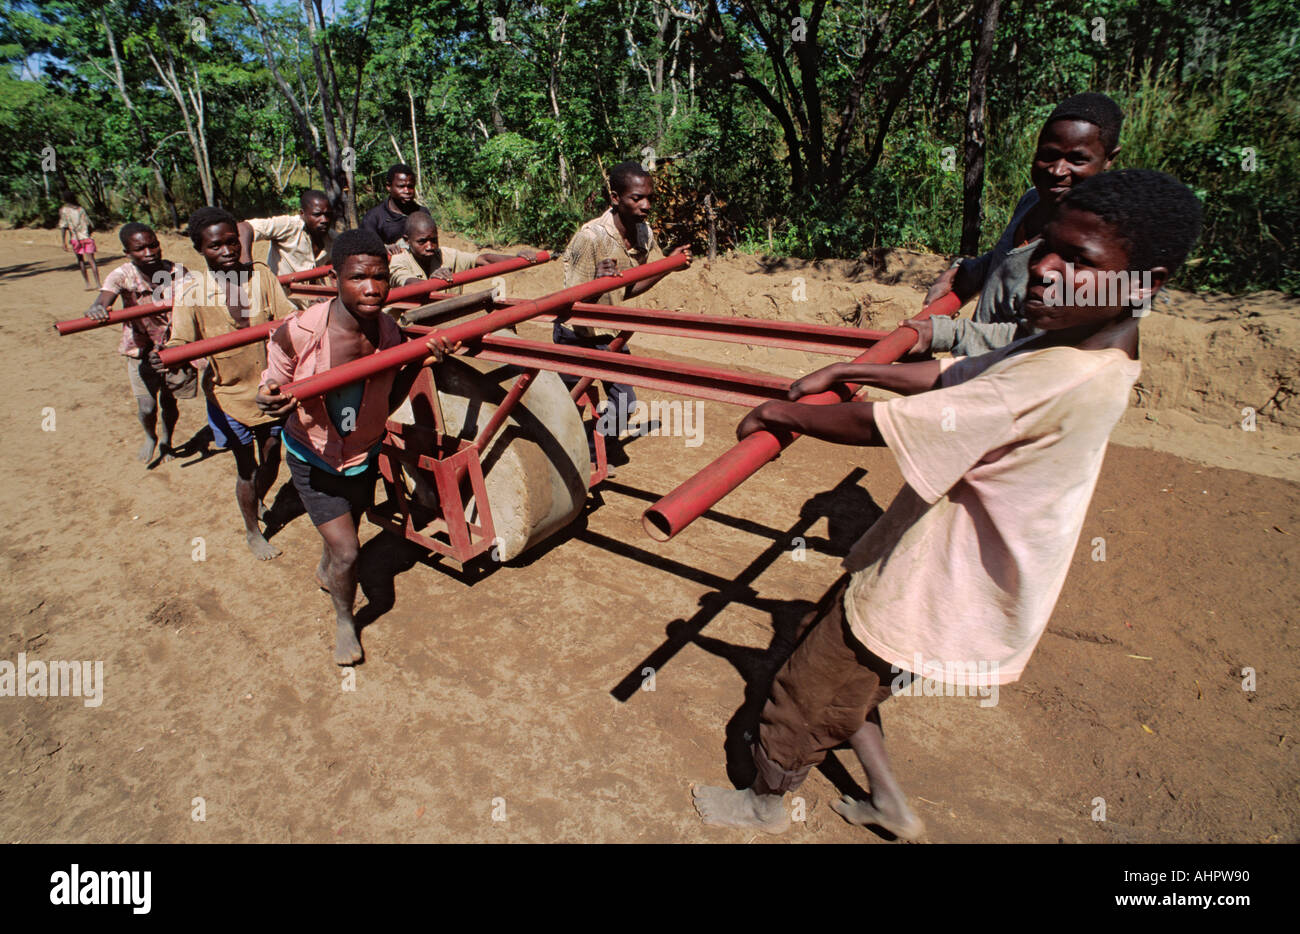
(1000, 446)
(331, 444)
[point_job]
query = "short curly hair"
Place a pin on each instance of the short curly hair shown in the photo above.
(624, 174)
(1157, 215)
(207, 217)
(130, 230)
(359, 242)
(1094, 108)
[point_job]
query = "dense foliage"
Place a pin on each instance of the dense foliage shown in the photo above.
(815, 128)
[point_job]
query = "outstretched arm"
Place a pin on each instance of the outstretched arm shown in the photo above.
(906, 379)
(844, 423)
(645, 285)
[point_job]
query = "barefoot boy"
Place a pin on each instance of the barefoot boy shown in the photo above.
(1079, 139)
(145, 279)
(333, 441)
(298, 241)
(617, 240)
(228, 297)
(1000, 453)
(425, 259)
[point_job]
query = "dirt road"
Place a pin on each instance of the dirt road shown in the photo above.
(516, 707)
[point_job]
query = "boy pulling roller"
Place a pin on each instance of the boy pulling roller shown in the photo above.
(1000, 453)
(333, 441)
(228, 297)
(146, 278)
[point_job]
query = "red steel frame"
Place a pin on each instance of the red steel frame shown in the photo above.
(77, 325)
(454, 465)
(173, 356)
(688, 379)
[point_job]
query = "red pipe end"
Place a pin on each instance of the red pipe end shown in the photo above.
(656, 525)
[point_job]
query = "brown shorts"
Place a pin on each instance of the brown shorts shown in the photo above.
(820, 697)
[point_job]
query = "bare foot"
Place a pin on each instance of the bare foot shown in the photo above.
(146, 452)
(347, 647)
(906, 826)
(727, 807)
(260, 547)
(262, 510)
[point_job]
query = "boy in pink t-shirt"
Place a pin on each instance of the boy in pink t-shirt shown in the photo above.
(332, 441)
(955, 583)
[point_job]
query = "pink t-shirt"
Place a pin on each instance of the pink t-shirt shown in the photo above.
(307, 333)
(140, 333)
(959, 577)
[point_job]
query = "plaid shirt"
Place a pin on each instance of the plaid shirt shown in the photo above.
(141, 335)
(597, 240)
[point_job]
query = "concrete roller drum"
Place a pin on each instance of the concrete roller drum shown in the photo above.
(535, 469)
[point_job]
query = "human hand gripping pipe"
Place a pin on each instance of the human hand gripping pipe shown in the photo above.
(466, 331)
(77, 325)
(174, 356)
(701, 492)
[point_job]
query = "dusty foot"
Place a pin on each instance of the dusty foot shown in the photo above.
(727, 807)
(260, 547)
(146, 451)
(347, 647)
(262, 510)
(863, 813)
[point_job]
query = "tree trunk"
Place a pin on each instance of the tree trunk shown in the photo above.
(415, 143)
(973, 182)
(120, 81)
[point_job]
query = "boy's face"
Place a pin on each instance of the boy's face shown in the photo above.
(634, 203)
(424, 242)
(1077, 261)
(145, 251)
(363, 284)
(1068, 152)
(402, 188)
(317, 216)
(219, 245)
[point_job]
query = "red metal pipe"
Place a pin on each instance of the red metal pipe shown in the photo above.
(420, 289)
(521, 384)
(688, 379)
(618, 343)
(251, 335)
(790, 335)
(701, 492)
(411, 351)
(205, 347)
(77, 325)
(320, 272)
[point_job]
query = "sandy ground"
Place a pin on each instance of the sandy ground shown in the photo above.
(513, 707)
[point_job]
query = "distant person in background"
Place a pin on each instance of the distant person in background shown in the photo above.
(75, 226)
(425, 258)
(298, 241)
(606, 246)
(142, 280)
(388, 218)
(1079, 139)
